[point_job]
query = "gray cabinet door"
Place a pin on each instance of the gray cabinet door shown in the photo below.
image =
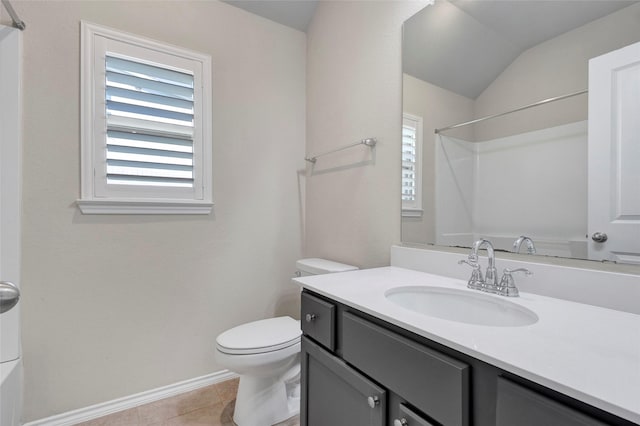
(431, 381)
(333, 394)
(520, 406)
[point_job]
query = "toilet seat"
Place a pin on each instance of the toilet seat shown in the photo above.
(261, 336)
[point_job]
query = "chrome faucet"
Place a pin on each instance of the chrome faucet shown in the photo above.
(491, 276)
(490, 280)
(489, 283)
(531, 248)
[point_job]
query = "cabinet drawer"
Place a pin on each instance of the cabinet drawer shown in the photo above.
(517, 405)
(432, 382)
(408, 417)
(318, 320)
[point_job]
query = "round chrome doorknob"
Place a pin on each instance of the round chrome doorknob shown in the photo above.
(599, 237)
(373, 401)
(310, 317)
(400, 422)
(9, 296)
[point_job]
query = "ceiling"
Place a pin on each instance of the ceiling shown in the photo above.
(488, 32)
(487, 36)
(292, 13)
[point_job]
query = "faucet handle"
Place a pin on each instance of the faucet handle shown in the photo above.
(476, 281)
(508, 284)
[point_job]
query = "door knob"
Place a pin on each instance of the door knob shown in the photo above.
(373, 401)
(599, 237)
(9, 296)
(400, 422)
(310, 317)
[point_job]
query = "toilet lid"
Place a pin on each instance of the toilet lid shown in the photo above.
(260, 336)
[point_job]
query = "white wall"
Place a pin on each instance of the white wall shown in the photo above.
(532, 184)
(115, 305)
(455, 169)
(354, 80)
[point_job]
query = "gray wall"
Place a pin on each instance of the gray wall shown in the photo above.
(555, 67)
(438, 107)
(354, 90)
(115, 305)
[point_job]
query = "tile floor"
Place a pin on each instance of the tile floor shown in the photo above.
(208, 406)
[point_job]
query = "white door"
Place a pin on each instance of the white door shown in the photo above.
(10, 187)
(614, 156)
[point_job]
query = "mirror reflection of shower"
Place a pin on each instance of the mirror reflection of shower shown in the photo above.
(508, 98)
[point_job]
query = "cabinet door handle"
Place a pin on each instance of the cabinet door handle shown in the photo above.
(373, 401)
(310, 317)
(400, 422)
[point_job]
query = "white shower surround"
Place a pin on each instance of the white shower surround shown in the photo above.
(531, 183)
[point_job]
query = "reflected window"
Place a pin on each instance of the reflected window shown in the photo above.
(411, 165)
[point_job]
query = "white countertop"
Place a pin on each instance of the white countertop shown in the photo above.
(589, 353)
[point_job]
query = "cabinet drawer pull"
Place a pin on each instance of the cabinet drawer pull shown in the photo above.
(400, 422)
(310, 317)
(373, 401)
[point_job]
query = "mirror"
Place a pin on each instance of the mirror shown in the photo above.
(520, 173)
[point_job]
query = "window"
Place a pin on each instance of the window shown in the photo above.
(411, 165)
(146, 126)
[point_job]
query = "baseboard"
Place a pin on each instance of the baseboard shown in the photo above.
(99, 410)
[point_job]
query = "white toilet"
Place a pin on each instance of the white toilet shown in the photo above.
(266, 355)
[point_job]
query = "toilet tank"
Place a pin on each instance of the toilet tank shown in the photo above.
(316, 266)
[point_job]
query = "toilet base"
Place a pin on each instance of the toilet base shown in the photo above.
(263, 401)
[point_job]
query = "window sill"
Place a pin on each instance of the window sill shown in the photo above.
(144, 207)
(412, 212)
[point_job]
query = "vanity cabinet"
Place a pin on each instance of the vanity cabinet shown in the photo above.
(358, 370)
(345, 358)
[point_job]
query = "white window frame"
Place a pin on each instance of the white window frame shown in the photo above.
(96, 196)
(414, 208)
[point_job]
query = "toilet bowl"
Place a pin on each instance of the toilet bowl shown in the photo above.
(266, 355)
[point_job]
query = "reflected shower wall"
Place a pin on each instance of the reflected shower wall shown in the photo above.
(481, 187)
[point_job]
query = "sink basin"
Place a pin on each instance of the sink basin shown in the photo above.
(462, 306)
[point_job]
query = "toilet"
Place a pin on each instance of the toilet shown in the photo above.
(266, 355)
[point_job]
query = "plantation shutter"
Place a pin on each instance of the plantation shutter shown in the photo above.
(409, 137)
(150, 125)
